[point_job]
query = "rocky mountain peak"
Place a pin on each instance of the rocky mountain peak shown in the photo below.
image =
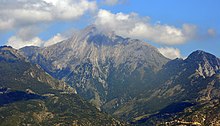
(207, 64)
(8, 53)
(88, 31)
(97, 36)
(7, 48)
(202, 56)
(94, 30)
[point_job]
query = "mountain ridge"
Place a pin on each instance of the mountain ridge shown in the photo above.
(131, 79)
(92, 60)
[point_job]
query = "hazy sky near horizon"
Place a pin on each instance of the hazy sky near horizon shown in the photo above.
(176, 28)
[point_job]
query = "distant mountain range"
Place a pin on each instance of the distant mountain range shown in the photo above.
(124, 77)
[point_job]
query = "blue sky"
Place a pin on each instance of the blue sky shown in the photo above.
(203, 13)
(195, 24)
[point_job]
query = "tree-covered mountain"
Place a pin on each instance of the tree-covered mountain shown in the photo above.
(30, 96)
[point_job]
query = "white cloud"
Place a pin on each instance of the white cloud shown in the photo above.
(70, 9)
(57, 38)
(18, 42)
(132, 25)
(26, 17)
(19, 13)
(170, 52)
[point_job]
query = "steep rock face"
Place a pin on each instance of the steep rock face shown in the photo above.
(103, 67)
(29, 96)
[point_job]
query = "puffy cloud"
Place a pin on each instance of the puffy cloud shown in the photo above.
(70, 9)
(18, 42)
(170, 52)
(57, 38)
(132, 25)
(26, 36)
(19, 13)
(26, 17)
